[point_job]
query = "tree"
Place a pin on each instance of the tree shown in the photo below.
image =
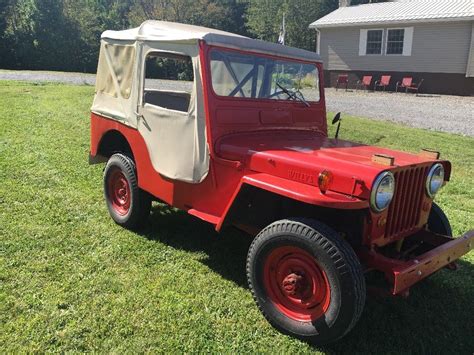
(228, 15)
(300, 15)
(39, 35)
(17, 31)
(6, 48)
(236, 16)
(264, 18)
(65, 34)
(90, 19)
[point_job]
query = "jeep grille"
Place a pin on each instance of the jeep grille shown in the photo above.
(405, 209)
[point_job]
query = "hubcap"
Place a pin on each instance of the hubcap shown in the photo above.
(296, 283)
(293, 284)
(119, 191)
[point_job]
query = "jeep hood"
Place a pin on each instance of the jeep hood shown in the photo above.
(302, 155)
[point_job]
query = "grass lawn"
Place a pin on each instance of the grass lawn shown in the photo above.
(70, 279)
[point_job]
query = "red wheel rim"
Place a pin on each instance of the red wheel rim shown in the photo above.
(296, 284)
(119, 191)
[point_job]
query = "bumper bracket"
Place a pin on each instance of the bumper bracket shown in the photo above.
(403, 274)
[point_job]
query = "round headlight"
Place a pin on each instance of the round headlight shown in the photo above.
(382, 191)
(435, 179)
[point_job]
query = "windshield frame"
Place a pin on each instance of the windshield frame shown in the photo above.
(317, 64)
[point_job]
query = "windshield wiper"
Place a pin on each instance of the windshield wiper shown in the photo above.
(294, 95)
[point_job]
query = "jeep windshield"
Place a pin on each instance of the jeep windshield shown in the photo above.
(257, 76)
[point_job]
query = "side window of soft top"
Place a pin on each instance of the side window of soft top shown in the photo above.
(169, 81)
(120, 70)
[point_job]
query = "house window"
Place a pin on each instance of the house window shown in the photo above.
(390, 41)
(374, 42)
(395, 39)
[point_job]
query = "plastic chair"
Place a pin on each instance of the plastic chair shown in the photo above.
(364, 83)
(404, 84)
(414, 87)
(342, 79)
(383, 82)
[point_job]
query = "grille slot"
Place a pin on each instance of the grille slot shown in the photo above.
(404, 211)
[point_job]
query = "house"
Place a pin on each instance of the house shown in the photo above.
(426, 39)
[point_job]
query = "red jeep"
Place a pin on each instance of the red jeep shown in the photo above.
(240, 139)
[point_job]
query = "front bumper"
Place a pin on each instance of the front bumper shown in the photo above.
(403, 274)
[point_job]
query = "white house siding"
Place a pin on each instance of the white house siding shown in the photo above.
(470, 64)
(441, 47)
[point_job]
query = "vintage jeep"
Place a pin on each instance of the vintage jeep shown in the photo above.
(241, 140)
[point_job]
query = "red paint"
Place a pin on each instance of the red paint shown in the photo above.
(296, 283)
(118, 190)
(303, 192)
(403, 274)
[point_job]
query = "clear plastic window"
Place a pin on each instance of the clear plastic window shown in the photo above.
(122, 61)
(259, 77)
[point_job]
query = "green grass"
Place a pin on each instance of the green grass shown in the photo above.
(70, 279)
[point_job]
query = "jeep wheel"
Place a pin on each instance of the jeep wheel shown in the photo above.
(128, 205)
(438, 222)
(306, 280)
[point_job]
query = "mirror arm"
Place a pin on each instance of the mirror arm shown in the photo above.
(337, 119)
(337, 129)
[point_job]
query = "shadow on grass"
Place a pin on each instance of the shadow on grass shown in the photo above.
(226, 251)
(437, 317)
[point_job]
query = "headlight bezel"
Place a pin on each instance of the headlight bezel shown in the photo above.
(429, 178)
(375, 186)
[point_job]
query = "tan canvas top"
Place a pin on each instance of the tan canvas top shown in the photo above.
(176, 140)
(178, 32)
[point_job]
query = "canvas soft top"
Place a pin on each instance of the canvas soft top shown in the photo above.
(176, 140)
(177, 32)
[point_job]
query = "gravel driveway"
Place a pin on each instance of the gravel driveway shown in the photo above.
(453, 114)
(41, 76)
(445, 113)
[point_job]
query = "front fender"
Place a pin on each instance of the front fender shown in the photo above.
(294, 190)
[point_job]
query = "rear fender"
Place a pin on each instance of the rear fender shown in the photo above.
(111, 142)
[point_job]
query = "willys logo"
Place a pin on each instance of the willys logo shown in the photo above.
(303, 177)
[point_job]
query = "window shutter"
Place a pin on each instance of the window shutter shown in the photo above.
(407, 41)
(363, 42)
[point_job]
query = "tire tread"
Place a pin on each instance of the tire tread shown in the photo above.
(142, 204)
(341, 253)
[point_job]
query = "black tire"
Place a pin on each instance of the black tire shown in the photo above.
(344, 279)
(131, 209)
(438, 222)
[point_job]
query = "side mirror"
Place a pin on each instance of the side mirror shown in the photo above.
(337, 119)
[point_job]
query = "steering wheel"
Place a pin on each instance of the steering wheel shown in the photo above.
(290, 93)
(276, 93)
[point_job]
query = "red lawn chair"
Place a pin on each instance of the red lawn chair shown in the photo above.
(383, 82)
(414, 87)
(406, 82)
(364, 83)
(342, 79)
